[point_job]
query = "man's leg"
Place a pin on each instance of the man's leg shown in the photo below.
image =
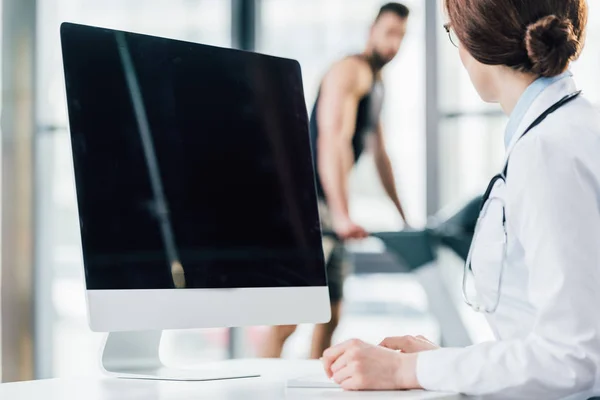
(324, 332)
(276, 337)
(336, 270)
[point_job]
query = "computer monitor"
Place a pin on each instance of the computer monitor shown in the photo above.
(195, 184)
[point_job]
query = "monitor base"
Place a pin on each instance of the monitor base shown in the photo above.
(135, 355)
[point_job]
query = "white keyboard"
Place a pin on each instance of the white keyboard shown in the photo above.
(320, 381)
(317, 381)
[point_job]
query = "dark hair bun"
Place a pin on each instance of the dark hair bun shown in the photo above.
(551, 45)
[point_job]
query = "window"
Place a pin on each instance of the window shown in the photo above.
(317, 34)
(0, 175)
(472, 132)
(73, 349)
(585, 69)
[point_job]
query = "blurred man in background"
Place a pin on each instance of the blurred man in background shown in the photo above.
(344, 121)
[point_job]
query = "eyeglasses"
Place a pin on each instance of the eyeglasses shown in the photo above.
(452, 35)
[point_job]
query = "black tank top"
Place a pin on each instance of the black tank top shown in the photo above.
(367, 118)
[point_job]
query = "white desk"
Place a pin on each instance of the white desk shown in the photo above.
(272, 385)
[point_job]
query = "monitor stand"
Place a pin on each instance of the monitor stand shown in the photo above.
(135, 355)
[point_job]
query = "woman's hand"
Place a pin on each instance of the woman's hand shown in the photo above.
(356, 365)
(409, 344)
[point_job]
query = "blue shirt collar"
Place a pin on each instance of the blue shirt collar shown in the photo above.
(525, 102)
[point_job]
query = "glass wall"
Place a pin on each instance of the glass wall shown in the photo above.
(73, 349)
(318, 33)
(1, 8)
(472, 132)
(586, 68)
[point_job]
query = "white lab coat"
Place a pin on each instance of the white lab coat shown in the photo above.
(547, 325)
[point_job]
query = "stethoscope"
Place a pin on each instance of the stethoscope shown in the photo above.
(487, 201)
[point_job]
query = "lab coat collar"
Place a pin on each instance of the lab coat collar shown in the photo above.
(544, 101)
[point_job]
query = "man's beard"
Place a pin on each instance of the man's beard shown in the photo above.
(378, 61)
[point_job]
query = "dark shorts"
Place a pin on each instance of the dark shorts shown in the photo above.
(336, 259)
(337, 269)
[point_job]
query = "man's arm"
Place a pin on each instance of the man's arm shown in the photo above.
(338, 105)
(386, 173)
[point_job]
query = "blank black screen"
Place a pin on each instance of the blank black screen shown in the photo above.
(227, 134)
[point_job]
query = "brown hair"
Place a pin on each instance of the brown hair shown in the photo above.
(537, 36)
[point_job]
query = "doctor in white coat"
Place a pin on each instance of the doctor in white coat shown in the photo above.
(535, 258)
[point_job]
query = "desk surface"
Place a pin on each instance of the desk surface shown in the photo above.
(272, 385)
